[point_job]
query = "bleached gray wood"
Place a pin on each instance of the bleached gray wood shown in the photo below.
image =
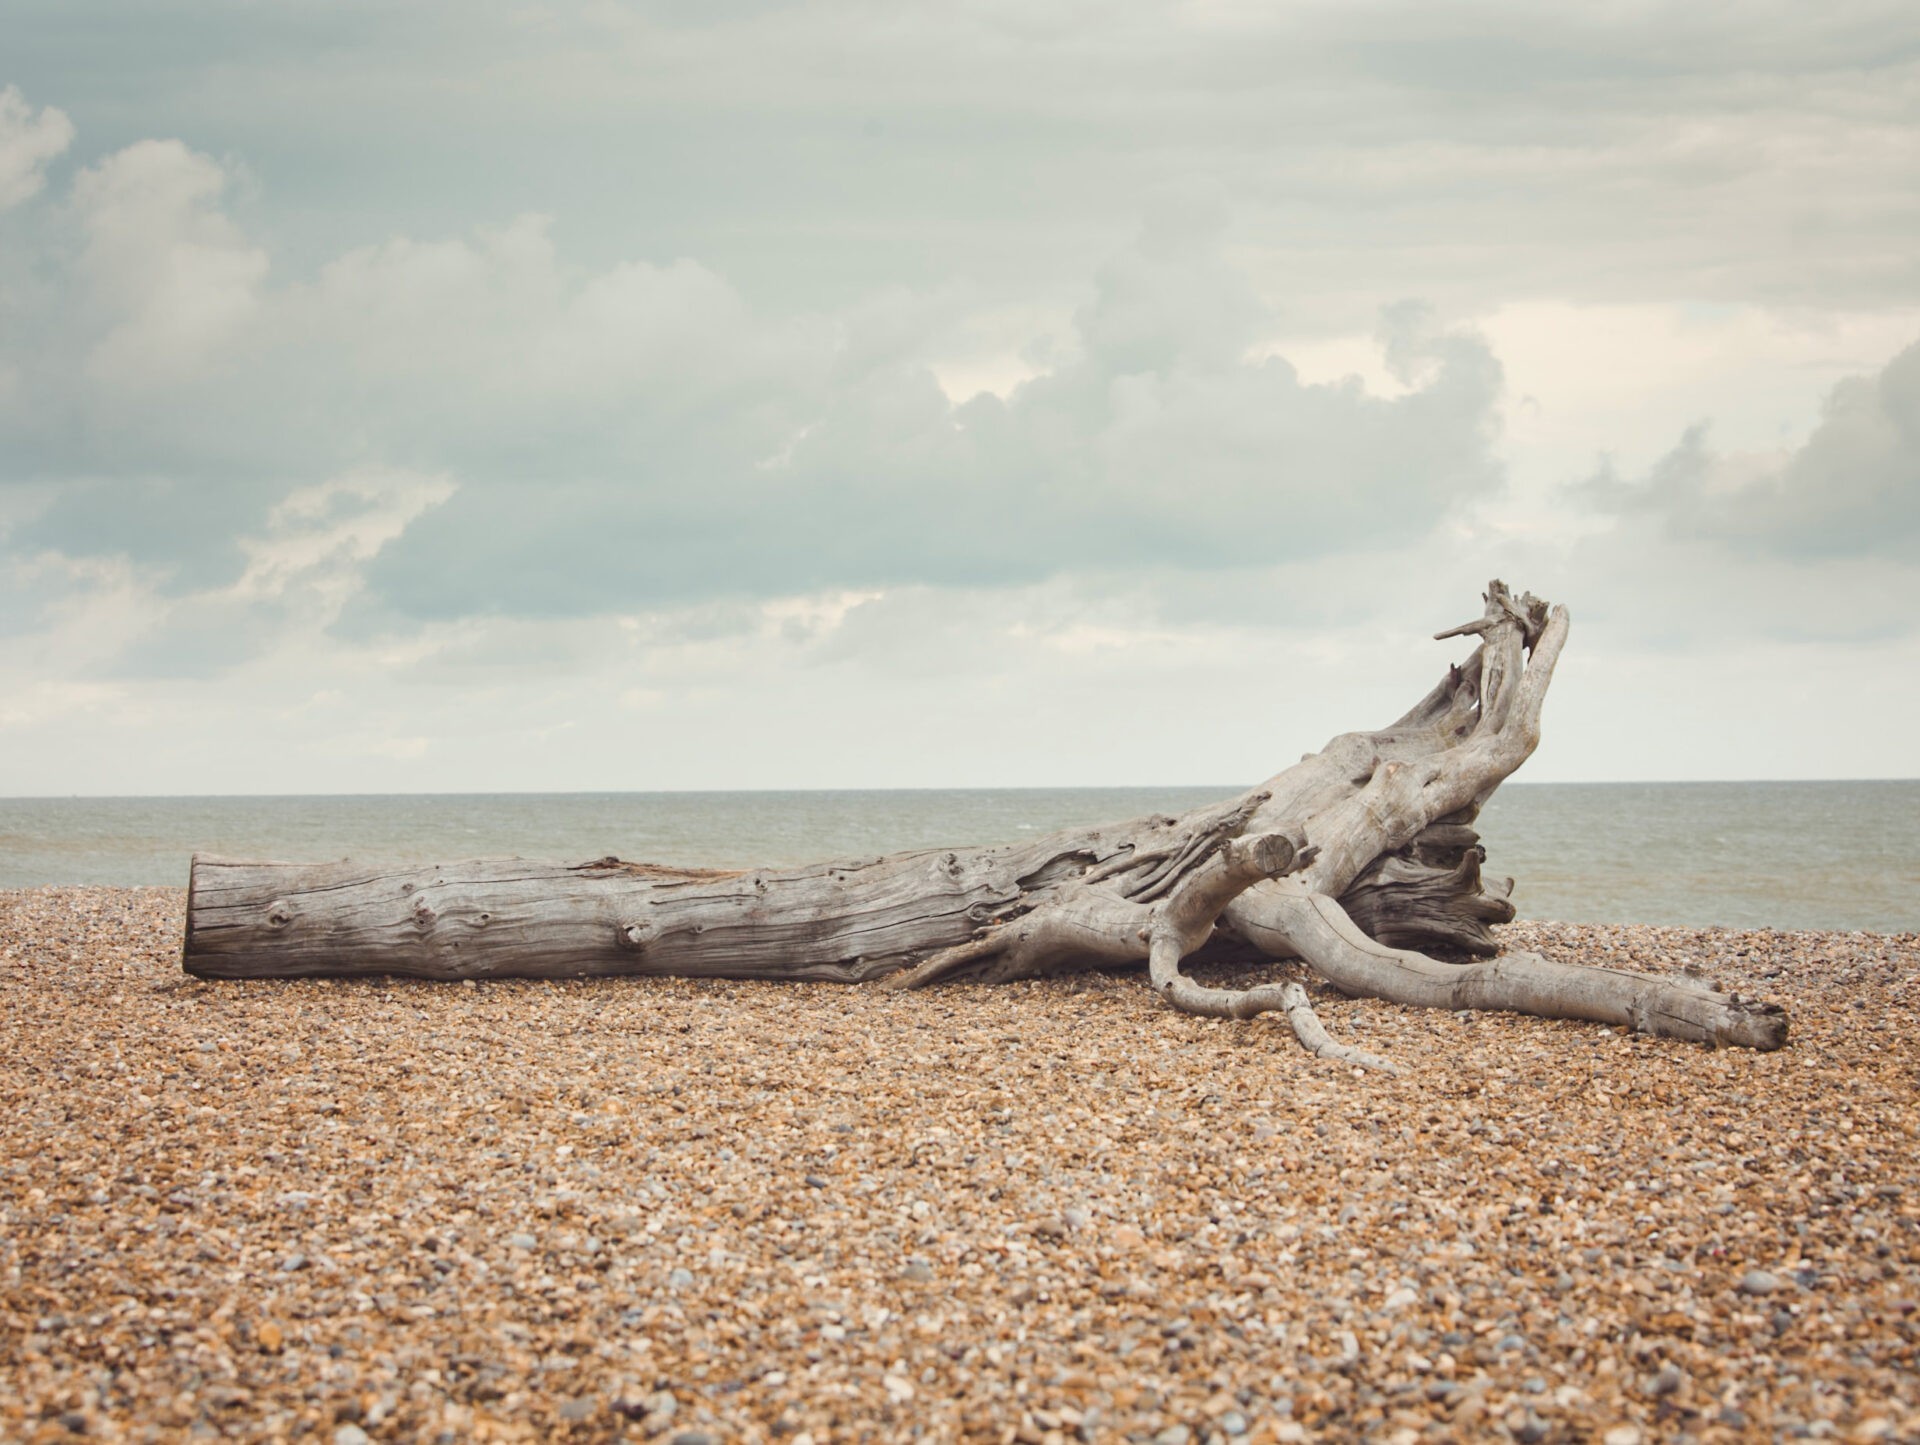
(846, 922)
(1363, 846)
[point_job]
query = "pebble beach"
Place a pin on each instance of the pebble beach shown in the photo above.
(704, 1212)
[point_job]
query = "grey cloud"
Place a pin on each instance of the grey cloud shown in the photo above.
(642, 434)
(1852, 489)
(187, 530)
(1159, 444)
(1673, 149)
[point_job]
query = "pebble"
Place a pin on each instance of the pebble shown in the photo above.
(1759, 1281)
(1666, 1382)
(351, 1435)
(523, 1211)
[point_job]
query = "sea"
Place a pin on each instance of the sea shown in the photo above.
(1785, 855)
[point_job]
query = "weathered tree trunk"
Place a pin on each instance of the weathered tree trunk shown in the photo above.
(1348, 861)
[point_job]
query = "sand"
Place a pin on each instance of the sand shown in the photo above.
(1046, 1212)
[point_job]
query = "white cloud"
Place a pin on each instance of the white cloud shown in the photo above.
(28, 142)
(318, 536)
(168, 274)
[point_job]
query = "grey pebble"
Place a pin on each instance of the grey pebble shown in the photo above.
(523, 1241)
(815, 1181)
(1234, 1423)
(917, 1270)
(1173, 1435)
(1759, 1281)
(695, 1437)
(293, 1262)
(1668, 1380)
(680, 1279)
(351, 1435)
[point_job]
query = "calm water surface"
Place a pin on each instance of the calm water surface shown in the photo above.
(1781, 855)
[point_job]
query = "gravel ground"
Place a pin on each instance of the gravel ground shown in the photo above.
(1051, 1211)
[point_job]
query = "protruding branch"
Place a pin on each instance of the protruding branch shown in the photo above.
(1238, 864)
(1287, 918)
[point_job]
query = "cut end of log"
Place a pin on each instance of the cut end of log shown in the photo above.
(1753, 1025)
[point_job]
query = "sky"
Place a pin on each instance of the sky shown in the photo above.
(607, 396)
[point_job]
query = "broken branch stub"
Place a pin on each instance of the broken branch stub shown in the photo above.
(1350, 861)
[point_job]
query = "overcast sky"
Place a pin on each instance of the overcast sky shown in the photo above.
(482, 396)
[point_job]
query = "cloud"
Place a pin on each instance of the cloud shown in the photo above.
(1472, 154)
(301, 571)
(762, 362)
(641, 435)
(1157, 444)
(27, 143)
(1852, 489)
(167, 274)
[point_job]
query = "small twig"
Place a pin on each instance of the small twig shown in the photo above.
(1315, 1039)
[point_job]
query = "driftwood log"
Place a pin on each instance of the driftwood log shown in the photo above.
(1350, 861)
